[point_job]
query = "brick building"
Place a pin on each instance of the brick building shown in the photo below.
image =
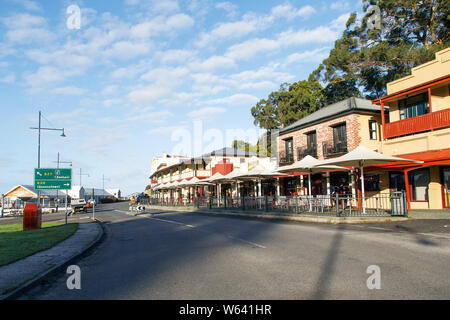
(329, 132)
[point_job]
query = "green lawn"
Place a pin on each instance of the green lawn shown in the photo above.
(16, 244)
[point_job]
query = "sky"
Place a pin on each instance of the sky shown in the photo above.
(132, 79)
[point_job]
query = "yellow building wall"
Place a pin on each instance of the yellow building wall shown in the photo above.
(429, 71)
(364, 132)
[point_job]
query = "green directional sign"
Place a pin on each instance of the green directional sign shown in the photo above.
(52, 179)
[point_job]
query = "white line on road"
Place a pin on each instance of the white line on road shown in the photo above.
(434, 235)
(377, 228)
(174, 222)
(228, 236)
(248, 242)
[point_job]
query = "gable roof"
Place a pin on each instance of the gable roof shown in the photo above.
(349, 105)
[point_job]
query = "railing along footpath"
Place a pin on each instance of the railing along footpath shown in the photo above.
(393, 204)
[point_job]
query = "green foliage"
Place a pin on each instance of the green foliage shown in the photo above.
(288, 104)
(363, 60)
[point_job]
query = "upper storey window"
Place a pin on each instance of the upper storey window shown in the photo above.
(414, 106)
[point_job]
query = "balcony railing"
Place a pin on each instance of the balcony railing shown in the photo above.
(286, 158)
(305, 151)
(331, 149)
(425, 122)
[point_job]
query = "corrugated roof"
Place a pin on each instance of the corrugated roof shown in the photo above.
(344, 106)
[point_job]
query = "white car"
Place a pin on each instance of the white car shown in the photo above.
(78, 205)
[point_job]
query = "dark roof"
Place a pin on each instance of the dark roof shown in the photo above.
(232, 152)
(345, 106)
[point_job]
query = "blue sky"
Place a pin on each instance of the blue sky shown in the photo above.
(143, 77)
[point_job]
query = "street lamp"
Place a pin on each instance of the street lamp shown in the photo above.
(39, 128)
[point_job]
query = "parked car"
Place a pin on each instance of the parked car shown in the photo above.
(78, 205)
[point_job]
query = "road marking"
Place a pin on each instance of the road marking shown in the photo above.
(227, 235)
(377, 228)
(434, 235)
(248, 242)
(174, 222)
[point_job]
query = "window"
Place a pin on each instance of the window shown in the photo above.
(419, 180)
(413, 106)
(289, 145)
(340, 138)
(373, 130)
(311, 141)
(372, 182)
(397, 181)
(179, 170)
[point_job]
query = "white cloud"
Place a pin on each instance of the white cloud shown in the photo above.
(149, 94)
(164, 131)
(316, 55)
(111, 102)
(166, 76)
(206, 113)
(287, 11)
(25, 28)
(9, 78)
(126, 50)
(212, 63)
(229, 7)
(70, 90)
(340, 5)
(240, 99)
(249, 48)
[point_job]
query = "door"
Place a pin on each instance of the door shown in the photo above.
(445, 177)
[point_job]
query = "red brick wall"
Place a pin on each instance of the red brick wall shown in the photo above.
(324, 132)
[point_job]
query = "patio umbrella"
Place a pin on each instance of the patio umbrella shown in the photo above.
(361, 157)
(215, 178)
(310, 165)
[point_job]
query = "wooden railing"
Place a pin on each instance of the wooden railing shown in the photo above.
(426, 122)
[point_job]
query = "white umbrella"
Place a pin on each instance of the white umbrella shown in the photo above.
(310, 165)
(215, 178)
(363, 156)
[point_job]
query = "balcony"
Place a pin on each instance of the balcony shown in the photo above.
(330, 149)
(305, 151)
(285, 159)
(426, 122)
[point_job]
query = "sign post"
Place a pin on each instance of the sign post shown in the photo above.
(53, 179)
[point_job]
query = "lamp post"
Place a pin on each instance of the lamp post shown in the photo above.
(39, 128)
(65, 202)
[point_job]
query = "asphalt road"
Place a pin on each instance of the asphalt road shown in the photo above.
(193, 256)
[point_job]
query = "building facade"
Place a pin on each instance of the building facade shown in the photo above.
(418, 128)
(221, 161)
(327, 133)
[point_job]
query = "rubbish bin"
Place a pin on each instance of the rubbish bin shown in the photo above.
(397, 203)
(32, 217)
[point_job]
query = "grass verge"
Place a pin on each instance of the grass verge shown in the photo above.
(16, 244)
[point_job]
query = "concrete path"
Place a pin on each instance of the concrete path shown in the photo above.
(17, 275)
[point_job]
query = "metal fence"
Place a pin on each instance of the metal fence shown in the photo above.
(393, 204)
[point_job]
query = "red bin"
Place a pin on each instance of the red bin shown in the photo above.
(32, 217)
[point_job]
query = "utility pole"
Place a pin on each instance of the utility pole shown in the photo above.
(82, 174)
(103, 179)
(67, 191)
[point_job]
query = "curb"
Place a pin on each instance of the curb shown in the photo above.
(311, 219)
(52, 271)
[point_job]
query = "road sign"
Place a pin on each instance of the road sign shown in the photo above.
(52, 179)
